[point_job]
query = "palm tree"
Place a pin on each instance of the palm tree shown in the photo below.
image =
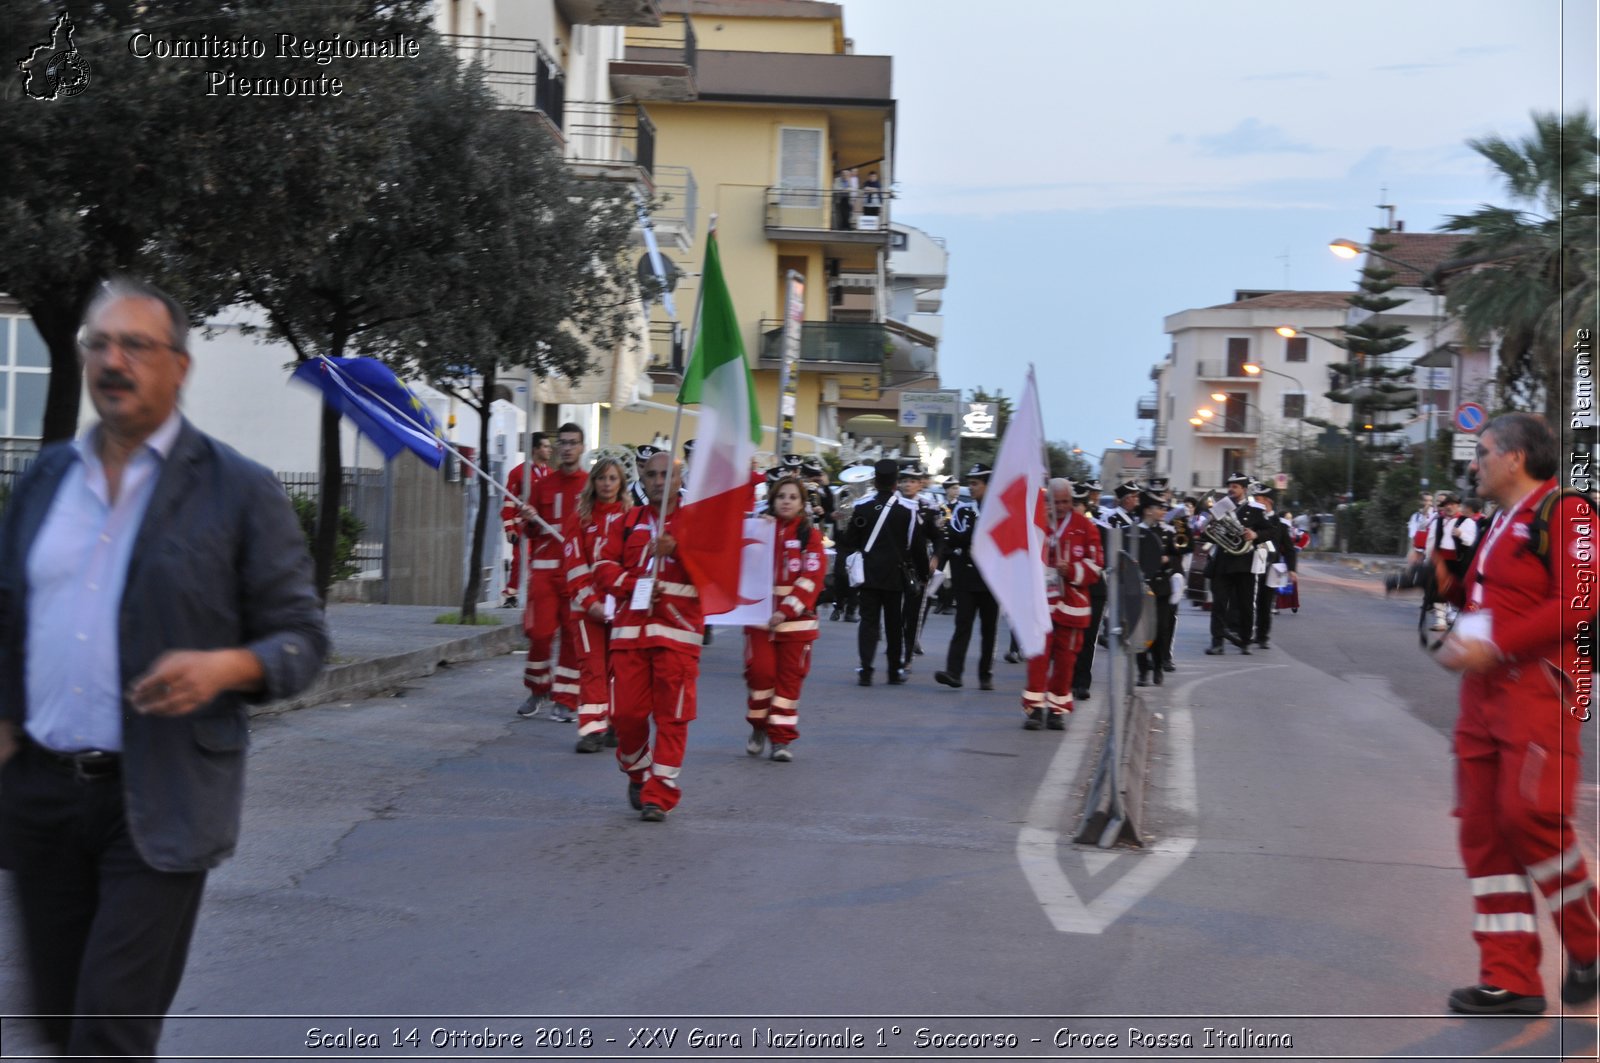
(1527, 274)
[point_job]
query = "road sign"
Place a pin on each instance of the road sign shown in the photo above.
(917, 406)
(1281, 481)
(1463, 447)
(1470, 417)
(979, 421)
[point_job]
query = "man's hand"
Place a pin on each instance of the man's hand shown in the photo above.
(665, 544)
(181, 681)
(776, 619)
(1294, 579)
(597, 613)
(1467, 655)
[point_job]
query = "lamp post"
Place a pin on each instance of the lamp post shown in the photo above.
(1252, 369)
(1349, 249)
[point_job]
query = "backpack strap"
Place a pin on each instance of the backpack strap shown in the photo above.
(1539, 527)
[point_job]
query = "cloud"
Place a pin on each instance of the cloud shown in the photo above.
(1250, 137)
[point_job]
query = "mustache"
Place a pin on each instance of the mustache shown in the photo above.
(111, 378)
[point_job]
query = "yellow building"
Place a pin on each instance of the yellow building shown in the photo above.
(764, 102)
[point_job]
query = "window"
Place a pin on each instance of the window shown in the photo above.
(1296, 349)
(897, 240)
(800, 165)
(24, 378)
(1294, 405)
(1238, 354)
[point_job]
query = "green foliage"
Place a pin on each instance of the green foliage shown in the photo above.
(1378, 524)
(1535, 262)
(1372, 388)
(350, 529)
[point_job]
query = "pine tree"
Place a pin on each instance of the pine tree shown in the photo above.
(1369, 382)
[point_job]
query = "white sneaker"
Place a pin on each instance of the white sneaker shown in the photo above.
(781, 754)
(756, 742)
(1439, 625)
(560, 713)
(531, 707)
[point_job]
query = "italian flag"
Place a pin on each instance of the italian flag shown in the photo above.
(719, 492)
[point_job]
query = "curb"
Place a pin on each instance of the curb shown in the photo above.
(375, 674)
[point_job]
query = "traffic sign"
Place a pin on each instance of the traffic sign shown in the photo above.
(1463, 447)
(1470, 417)
(917, 406)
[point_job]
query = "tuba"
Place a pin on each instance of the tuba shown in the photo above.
(1224, 528)
(855, 483)
(623, 455)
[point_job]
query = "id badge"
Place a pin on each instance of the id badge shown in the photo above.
(1475, 626)
(641, 593)
(610, 608)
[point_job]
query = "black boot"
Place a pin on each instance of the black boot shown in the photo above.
(850, 614)
(838, 611)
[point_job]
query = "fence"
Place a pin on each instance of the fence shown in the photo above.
(365, 493)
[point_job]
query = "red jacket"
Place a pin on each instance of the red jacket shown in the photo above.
(1074, 551)
(1538, 611)
(509, 509)
(582, 550)
(797, 574)
(674, 622)
(555, 498)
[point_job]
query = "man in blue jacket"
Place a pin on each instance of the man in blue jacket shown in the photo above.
(151, 581)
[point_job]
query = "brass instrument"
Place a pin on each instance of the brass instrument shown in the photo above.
(855, 483)
(1224, 528)
(1180, 534)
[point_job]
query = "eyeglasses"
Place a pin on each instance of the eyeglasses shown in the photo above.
(134, 348)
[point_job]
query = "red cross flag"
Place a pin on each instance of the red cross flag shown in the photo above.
(1008, 545)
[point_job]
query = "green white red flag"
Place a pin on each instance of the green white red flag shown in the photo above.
(719, 491)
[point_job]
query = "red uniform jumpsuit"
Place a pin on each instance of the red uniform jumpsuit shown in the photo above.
(776, 661)
(1517, 742)
(513, 525)
(555, 496)
(655, 655)
(580, 552)
(1073, 550)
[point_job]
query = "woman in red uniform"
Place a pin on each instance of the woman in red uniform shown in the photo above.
(599, 504)
(778, 656)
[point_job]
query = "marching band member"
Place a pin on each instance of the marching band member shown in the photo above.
(777, 657)
(973, 597)
(1158, 560)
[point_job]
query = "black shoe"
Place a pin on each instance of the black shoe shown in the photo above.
(652, 813)
(1244, 648)
(1142, 681)
(1034, 720)
(705, 640)
(916, 651)
(986, 682)
(850, 614)
(897, 679)
(634, 790)
(1159, 676)
(1487, 1000)
(591, 743)
(1056, 721)
(1580, 984)
(864, 677)
(1081, 695)
(953, 681)
(508, 602)
(1013, 658)
(1169, 667)
(836, 614)
(1263, 644)
(1215, 650)
(611, 738)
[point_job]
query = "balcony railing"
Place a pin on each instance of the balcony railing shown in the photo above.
(852, 216)
(666, 348)
(852, 342)
(1224, 369)
(658, 63)
(518, 71)
(611, 135)
(1147, 408)
(678, 199)
(1247, 423)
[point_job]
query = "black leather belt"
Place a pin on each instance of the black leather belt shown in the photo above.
(88, 766)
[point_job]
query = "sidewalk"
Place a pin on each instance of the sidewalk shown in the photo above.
(376, 647)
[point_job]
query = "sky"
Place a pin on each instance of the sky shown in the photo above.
(1095, 167)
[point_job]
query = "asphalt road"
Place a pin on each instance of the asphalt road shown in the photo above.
(428, 862)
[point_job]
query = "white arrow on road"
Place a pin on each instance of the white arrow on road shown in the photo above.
(1044, 862)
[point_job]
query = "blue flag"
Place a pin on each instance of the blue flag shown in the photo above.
(381, 407)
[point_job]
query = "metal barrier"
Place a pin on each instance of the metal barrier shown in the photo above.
(365, 493)
(1114, 806)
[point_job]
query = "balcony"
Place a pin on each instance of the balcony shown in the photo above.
(1146, 409)
(812, 215)
(658, 63)
(850, 81)
(611, 12)
(612, 142)
(1247, 423)
(1225, 369)
(667, 355)
(677, 207)
(829, 343)
(519, 72)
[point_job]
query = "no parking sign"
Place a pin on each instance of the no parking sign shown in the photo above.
(1470, 417)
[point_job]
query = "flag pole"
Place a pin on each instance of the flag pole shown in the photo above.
(677, 418)
(468, 462)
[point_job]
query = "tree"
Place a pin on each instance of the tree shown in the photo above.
(536, 280)
(1528, 270)
(1366, 384)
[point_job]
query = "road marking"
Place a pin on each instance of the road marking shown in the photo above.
(1044, 863)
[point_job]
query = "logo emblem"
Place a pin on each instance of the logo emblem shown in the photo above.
(55, 68)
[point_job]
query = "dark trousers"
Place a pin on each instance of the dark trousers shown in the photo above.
(911, 617)
(1266, 597)
(1159, 654)
(969, 604)
(843, 593)
(876, 604)
(1083, 671)
(1233, 606)
(105, 933)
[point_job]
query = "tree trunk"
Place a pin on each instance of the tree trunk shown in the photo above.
(469, 597)
(58, 322)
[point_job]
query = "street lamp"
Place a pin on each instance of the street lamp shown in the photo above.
(1252, 369)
